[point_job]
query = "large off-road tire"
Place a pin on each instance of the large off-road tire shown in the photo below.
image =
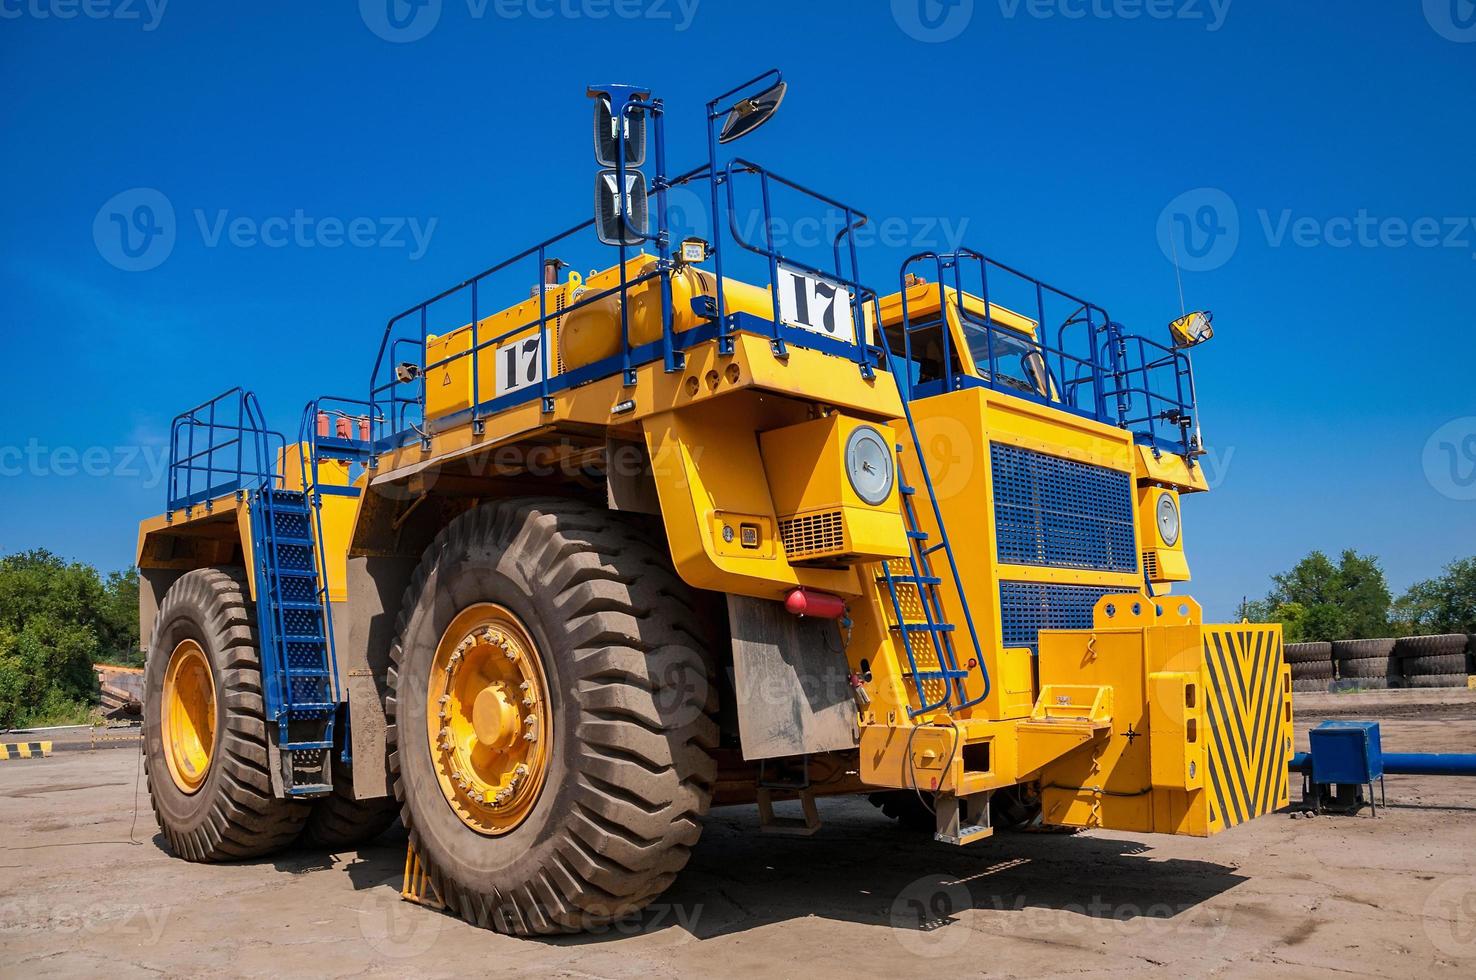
(627, 775)
(340, 822)
(1369, 663)
(1310, 662)
(219, 805)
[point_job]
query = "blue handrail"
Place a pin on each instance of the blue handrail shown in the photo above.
(403, 414)
(1123, 373)
(226, 439)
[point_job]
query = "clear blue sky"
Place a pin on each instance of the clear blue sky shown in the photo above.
(1058, 130)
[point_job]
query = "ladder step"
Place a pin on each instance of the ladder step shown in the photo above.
(302, 638)
(310, 708)
(906, 490)
(937, 547)
(913, 579)
(292, 604)
(306, 672)
(918, 535)
(938, 675)
(924, 627)
(295, 746)
(309, 789)
(292, 542)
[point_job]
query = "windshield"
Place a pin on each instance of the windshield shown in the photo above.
(1017, 361)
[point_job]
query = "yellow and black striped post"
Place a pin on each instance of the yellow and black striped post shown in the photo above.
(24, 750)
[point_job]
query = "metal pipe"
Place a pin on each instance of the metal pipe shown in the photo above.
(1409, 763)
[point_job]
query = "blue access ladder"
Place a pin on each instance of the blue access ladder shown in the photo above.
(297, 656)
(222, 448)
(944, 671)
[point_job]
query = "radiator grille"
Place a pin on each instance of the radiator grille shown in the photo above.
(1150, 564)
(1026, 608)
(1061, 513)
(813, 535)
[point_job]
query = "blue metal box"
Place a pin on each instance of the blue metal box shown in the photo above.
(1347, 752)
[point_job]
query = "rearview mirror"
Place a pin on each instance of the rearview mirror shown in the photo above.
(1192, 329)
(608, 133)
(751, 113)
(614, 225)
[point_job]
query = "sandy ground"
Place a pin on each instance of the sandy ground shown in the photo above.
(1281, 897)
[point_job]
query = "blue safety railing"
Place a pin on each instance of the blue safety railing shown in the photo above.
(219, 447)
(400, 417)
(1076, 359)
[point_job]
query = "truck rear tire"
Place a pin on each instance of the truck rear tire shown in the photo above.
(339, 822)
(580, 804)
(204, 728)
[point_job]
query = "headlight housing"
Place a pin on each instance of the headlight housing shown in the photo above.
(1168, 519)
(869, 465)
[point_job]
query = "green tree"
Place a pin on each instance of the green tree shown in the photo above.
(1444, 604)
(56, 619)
(1320, 600)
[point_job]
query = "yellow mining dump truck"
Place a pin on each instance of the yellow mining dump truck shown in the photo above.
(714, 524)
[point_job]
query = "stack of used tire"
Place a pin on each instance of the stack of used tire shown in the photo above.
(1311, 666)
(1366, 664)
(1432, 661)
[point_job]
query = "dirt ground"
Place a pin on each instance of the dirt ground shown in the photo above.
(1282, 897)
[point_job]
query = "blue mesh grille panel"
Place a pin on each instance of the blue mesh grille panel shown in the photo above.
(1026, 608)
(1061, 513)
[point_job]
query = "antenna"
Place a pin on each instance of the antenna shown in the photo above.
(1178, 273)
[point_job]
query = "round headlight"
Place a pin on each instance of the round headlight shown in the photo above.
(1168, 520)
(869, 465)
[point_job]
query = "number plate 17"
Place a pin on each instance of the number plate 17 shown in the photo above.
(519, 364)
(816, 304)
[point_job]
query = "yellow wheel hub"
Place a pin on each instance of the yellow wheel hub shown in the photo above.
(188, 716)
(487, 719)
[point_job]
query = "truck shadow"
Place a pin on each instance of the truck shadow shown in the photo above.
(862, 868)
